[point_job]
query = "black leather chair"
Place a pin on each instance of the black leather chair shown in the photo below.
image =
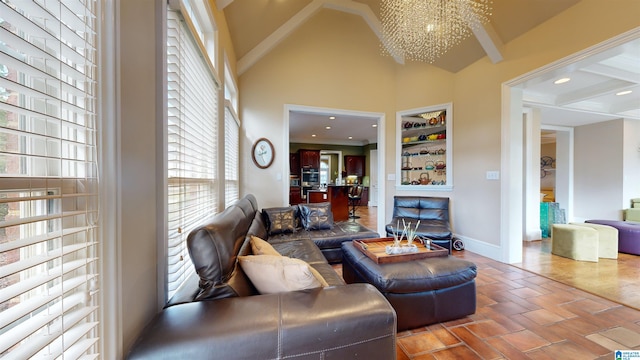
(355, 195)
(433, 213)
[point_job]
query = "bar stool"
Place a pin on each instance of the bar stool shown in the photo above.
(355, 195)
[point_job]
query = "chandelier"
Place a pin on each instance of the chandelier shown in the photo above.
(423, 30)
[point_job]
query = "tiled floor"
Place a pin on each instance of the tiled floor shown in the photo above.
(521, 315)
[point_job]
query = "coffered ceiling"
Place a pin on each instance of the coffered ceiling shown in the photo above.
(257, 26)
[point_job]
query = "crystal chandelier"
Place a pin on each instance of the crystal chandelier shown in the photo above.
(423, 30)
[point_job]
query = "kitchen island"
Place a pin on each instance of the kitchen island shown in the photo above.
(337, 195)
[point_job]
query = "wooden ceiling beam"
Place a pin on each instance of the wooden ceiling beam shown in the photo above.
(271, 41)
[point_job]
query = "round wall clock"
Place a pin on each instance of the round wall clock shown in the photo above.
(262, 153)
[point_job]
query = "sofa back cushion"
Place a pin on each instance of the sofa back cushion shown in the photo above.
(421, 207)
(214, 248)
(316, 216)
(280, 220)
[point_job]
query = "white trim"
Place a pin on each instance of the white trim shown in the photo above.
(284, 149)
(162, 210)
(480, 247)
(531, 217)
(512, 169)
(275, 38)
(111, 346)
(221, 4)
(490, 41)
(266, 45)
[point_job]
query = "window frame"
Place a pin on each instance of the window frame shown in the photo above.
(182, 7)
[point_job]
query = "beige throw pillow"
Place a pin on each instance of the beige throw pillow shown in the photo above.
(261, 247)
(274, 274)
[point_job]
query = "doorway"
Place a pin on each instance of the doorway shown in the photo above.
(517, 194)
(380, 129)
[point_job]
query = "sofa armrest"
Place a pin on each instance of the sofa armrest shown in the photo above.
(337, 322)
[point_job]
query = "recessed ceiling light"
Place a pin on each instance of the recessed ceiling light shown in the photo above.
(374, 125)
(562, 81)
(328, 127)
(313, 135)
(332, 117)
(350, 137)
(626, 92)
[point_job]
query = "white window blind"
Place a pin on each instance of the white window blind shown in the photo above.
(48, 180)
(232, 157)
(192, 145)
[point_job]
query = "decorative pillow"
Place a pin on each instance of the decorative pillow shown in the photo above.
(279, 220)
(261, 247)
(274, 274)
(316, 216)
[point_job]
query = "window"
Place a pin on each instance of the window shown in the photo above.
(192, 92)
(48, 179)
(325, 169)
(232, 157)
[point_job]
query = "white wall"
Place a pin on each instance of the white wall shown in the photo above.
(631, 162)
(139, 117)
(598, 171)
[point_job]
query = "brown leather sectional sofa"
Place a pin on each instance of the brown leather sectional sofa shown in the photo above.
(218, 313)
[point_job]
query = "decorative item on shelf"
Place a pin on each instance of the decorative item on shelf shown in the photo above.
(422, 137)
(442, 117)
(406, 139)
(442, 136)
(424, 179)
(424, 151)
(433, 121)
(441, 151)
(440, 165)
(429, 165)
(432, 137)
(413, 138)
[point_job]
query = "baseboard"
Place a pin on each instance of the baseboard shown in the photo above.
(491, 251)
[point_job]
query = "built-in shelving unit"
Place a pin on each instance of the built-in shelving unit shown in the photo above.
(424, 148)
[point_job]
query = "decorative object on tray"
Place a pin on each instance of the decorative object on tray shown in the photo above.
(397, 247)
(375, 249)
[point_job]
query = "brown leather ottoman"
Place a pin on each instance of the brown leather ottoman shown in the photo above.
(422, 292)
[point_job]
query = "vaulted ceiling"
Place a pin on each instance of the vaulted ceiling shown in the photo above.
(258, 26)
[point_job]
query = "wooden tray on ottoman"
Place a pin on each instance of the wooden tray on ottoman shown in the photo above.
(375, 250)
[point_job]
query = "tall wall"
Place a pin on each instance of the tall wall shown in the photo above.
(334, 61)
(139, 47)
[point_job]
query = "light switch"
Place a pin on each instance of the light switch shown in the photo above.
(493, 175)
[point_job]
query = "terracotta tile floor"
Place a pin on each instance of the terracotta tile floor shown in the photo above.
(521, 315)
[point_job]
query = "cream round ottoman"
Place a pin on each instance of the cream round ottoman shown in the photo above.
(574, 242)
(607, 239)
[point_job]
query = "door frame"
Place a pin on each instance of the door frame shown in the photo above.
(513, 145)
(284, 148)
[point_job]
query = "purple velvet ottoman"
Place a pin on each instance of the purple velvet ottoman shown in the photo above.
(628, 234)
